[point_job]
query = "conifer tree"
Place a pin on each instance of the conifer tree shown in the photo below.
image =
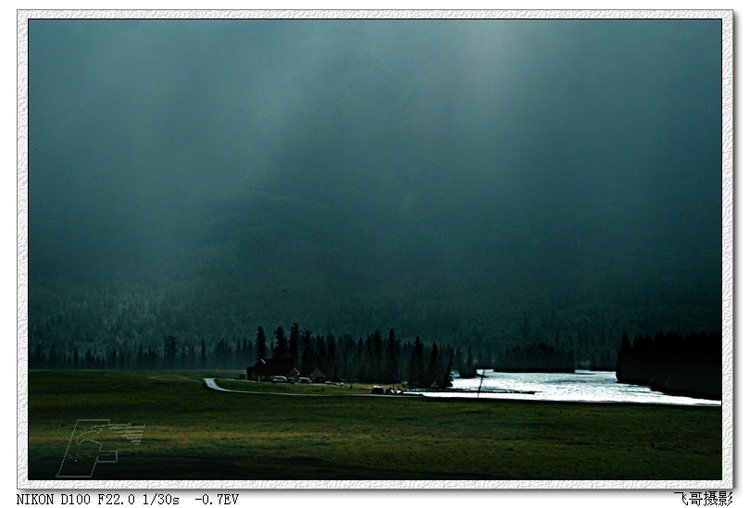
(281, 350)
(417, 374)
(446, 379)
(308, 354)
(433, 368)
(170, 352)
(331, 367)
(294, 343)
(260, 344)
(391, 358)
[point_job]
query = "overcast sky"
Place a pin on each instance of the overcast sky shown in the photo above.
(517, 155)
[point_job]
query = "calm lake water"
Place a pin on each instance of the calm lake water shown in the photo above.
(582, 386)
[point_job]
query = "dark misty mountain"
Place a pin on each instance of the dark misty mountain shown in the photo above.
(469, 181)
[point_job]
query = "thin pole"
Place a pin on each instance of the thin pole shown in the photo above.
(481, 380)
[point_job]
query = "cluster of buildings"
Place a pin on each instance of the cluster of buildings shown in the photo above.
(269, 370)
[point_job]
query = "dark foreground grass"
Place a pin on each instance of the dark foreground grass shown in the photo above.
(195, 433)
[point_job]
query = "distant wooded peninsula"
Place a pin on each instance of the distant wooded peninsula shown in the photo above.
(672, 363)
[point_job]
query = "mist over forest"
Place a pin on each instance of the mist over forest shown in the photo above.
(472, 182)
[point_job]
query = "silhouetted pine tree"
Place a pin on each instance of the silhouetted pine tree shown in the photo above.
(417, 372)
(391, 359)
(307, 364)
(294, 343)
(446, 379)
(433, 368)
(260, 344)
(467, 369)
(170, 352)
(281, 349)
(331, 368)
(364, 359)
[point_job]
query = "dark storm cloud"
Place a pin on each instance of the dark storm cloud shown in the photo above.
(490, 156)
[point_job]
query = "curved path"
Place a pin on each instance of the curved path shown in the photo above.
(211, 383)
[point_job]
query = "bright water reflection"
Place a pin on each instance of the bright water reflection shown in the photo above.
(583, 386)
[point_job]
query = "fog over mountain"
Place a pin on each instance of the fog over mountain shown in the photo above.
(461, 180)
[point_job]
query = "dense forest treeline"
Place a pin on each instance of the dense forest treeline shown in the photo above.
(672, 363)
(373, 359)
(688, 364)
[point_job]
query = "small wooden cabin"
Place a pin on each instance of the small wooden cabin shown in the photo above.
(317, 376)
(264, 370)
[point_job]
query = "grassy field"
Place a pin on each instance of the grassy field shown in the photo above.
(195, 433)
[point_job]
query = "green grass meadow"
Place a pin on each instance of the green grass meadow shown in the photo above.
(193, 433)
